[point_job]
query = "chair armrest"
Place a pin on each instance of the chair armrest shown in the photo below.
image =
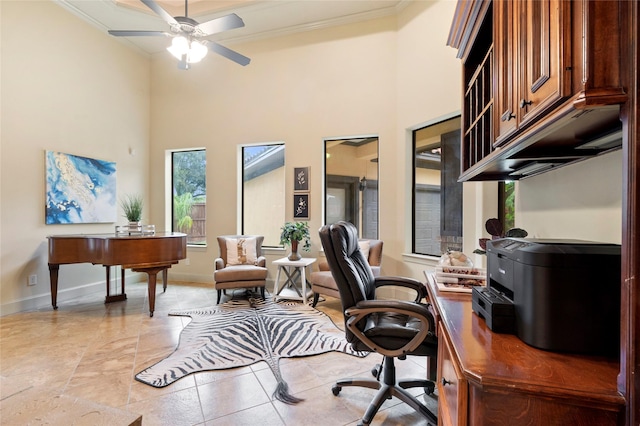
(415, 285)
(323, 266)
(418, 311)
(261, 261)
(218, 264)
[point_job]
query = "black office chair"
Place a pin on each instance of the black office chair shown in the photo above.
(392, 328)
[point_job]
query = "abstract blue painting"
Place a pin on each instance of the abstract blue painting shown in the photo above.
(79, 189)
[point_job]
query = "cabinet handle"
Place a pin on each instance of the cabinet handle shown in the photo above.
(524, 103)
(508, 117)
(445, 382)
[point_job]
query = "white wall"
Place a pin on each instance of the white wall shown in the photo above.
(65, 87)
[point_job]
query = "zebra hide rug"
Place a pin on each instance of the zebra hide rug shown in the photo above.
(244, 331)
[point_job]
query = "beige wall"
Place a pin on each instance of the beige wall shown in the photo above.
(582, 201)
(428, 177)
(347, 160)
(386, 77)
(298, 89)
(71, 88)
(266, 190)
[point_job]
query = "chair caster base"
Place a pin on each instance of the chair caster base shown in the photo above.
(430, 389)
(387, 387)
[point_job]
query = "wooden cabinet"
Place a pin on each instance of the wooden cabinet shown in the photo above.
(532, 66)
(478, 111)
(605, 57)
(452, 387)
(545, 60)
(541, 78)
(506, 29)
(485, 378)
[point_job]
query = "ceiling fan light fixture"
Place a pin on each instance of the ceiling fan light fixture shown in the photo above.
(197, 52)
(179, 47)
(186, 45)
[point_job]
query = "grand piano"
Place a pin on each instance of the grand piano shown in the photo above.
(141, 253)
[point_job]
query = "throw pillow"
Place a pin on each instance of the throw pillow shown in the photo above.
(364, 248)
(241, 251)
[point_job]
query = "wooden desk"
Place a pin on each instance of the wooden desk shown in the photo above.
(488, 378)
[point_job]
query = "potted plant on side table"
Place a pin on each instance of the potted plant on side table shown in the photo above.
(292, 233)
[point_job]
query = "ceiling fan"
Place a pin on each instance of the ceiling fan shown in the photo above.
(189, 44)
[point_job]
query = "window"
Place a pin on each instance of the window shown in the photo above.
(263, 185)
(506, 204)
(437, 194)
(351, 183)
(189, 189)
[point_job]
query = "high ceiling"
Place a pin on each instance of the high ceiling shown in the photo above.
(262, 19)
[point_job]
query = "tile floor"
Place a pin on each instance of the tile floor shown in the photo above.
(91, 350)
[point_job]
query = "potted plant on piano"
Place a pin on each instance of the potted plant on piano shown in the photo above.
(292, 233)
(132, 207)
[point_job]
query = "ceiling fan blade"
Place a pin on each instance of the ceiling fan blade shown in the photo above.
(228, 53)
(218, 25)
(135, 33)
(160, 12)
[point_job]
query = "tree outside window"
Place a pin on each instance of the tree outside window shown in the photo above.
(189, 194)
(506, 206)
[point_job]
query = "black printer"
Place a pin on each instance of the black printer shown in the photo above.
(557, 295)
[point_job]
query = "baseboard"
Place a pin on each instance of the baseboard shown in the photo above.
(44, 300)
(194, 278)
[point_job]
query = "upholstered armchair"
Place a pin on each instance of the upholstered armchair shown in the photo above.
(322, 281)
(241, 264)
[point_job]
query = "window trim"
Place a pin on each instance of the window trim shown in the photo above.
(168, 184)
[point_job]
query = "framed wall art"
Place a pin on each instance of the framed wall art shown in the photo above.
(301, 176)
(79, 189)
(301, 206)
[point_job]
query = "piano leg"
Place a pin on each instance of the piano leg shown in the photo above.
(152, 272)
(53, 279)
(165, 277)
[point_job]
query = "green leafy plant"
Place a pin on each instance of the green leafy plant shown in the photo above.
(296, 231)
(182, 205)
(132, 207)
(495, 228)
